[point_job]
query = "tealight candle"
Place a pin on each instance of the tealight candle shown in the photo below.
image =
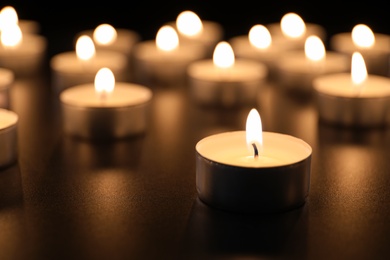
(225, 81)
(353, 99)
(107, 37)
(374, 47)
(6, 80)
(296, 69)
(8, 15)
(252, 170)
(293, 31)
(8, 137)
(105, 109)
(260, 46)
(22, 53)
(80, 66)
(164, 61)
(192, 29)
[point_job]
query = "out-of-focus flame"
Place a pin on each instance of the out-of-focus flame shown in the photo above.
(362, 36)
(293, 25)
(104, 34)
(189, 23)
(85, 49)
(223, 56)
(260, 37)
(167, 38)
(358, 69)
(314, 48)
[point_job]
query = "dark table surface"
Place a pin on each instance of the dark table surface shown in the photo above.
(136, 198)
(67, 198)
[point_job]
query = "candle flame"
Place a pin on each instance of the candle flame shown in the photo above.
(8, 16)
(358, 69)
(260, 37)
(104, 34)
(223, 56)
(292, 25)
(104, 81)
(314, 48)
(85, 49)
(254, 131)
(363, 36)
(167, 38)
(11, 36)
(189, 23)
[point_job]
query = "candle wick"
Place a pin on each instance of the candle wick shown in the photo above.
(255, 150)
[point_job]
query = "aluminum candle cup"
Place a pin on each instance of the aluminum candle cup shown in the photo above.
(296, 72)
(229, 178)
(25, 59)
(341, 102)
(122, 113)
(227, 87)
(8, 137)
(211, 34)
(299, 42)
(376, 57)
(6, 80)
(68, 70)
(158, 67)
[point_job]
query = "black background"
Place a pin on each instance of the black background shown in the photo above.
(60, 20)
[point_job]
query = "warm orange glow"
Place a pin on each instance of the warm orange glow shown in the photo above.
(254, 131)
(363, 36)
(260, 37)
(293, 25)
(104, 81)
(314, 48)
(85, 49)
(11, 36)
(104, 34)
(167, 38)
(189, 23)
(223, 56)
(358, 68)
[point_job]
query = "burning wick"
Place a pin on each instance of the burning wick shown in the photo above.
(255, 150)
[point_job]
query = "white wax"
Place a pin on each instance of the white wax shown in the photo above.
(7, 119)
(124, 95)
(243, 71)
(341, 84)
(296, 62)
(296, 43)
(68, 62)
(230, 148)
(124, 42)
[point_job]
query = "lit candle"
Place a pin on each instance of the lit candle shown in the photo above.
(293, 31)
(296, 69)
(224, 80)
(374, 47)
(353, 99)
(253, 170)
(7, 79)
(107, 37)
(192, 29)
(105, 109)
(22, 53)
(259, 45)
(80, 66)
(8, 137)
(164, 61)
(9, 15)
